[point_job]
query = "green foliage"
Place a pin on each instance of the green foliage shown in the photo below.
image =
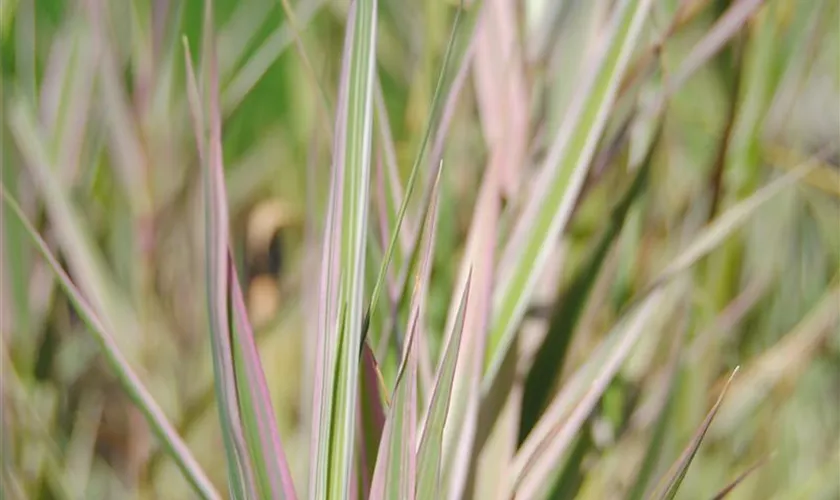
(517, 262)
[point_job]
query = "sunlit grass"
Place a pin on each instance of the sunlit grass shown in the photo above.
(431, 250)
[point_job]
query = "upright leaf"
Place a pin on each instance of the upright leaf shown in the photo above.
(669, 485)
(429, 453)
(549, 358)
(240, 481)
(395, 475)
(548, 211)
(342, 279)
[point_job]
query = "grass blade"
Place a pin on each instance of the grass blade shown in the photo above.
(553, 434)
(257, 463)
(462, 420)
(258, 419)
(86, 262)
(560, 181)
(714, 40)
(240, 481)
(409, 188)
(371, 415)
(395, 474)
(738, 480)
(340, 335)
(130, 381)
(549, 358)
(667, 489)
(429, 453)
(660, 424)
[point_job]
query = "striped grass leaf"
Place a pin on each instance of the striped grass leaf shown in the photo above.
(548, 211)
(240, 484)
(272, 472)
(342, 271)
(430, 450)
(395, 474)
(462, 419)
(670, 483)
(128, 378)
(256, 461)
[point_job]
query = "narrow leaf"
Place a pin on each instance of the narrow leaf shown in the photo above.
(240, 481)
(127, 377)
(429, 454)
(389, 252)
(343, 266)
(552, 436)
(741, 477)
(667, 489)
(548, 361)
(258, 419)
(395, 474)
(560, 181)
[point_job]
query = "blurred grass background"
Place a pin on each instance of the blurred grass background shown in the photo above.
(105, 81)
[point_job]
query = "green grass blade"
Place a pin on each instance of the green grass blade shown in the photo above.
(546, 446)
(127, 377)
(561, 179)
(389, 252)
(660, 425)
(429, 453)
(726, 490)
(669, 485)
(548, 361)
(395, 474)
(252, 71)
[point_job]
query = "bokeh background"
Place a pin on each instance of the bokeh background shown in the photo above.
(103, 85)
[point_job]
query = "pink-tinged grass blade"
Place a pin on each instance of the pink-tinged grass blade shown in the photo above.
(257, 463)
(462, 421)
(395, 472)
(127, 377)
(430, 451)
(500, 90)
(669, 485)
(339, 336)
(272, 472)
(240, 484)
